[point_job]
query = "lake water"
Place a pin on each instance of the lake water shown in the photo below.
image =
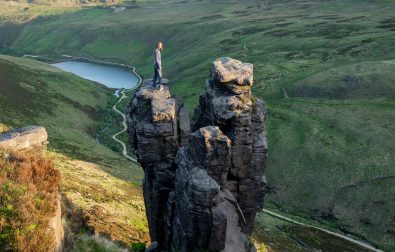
(109, 75)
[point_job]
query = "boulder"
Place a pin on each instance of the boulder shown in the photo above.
(30, 137)
(225, 70)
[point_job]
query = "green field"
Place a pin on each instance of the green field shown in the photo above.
(324, 68)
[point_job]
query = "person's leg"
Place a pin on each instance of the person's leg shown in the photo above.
(154, 80)
(160, 76)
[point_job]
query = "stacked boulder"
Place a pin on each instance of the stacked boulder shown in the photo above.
(228, 104)
(202, 189)
(156, 133)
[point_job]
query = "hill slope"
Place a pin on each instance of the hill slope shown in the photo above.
(95, 180)
(331, 142)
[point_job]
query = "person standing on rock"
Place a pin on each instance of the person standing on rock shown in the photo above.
(158, 65)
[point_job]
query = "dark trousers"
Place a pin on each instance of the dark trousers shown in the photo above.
(157, 76)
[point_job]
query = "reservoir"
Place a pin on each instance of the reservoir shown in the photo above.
(112, 76)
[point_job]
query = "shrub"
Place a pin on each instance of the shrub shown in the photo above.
(29, 187)
(138, 247)
(3, 128)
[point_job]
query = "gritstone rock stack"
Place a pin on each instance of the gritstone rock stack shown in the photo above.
(202, 190)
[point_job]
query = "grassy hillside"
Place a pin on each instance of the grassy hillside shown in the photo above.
(96, 181)
(331, 141)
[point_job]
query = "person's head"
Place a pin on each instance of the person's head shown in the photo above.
(159, 45)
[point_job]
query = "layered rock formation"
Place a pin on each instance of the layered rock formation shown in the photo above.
(202, 189)
(229, 105)
(155, 135)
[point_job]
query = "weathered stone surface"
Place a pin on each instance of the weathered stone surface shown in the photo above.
(184, 125)
(205, 215)
(226, 70)
(24, 138)
(210, 150)
(148, 93)
(163, 110)
(203, 189)
(229, 105)
(155, 136)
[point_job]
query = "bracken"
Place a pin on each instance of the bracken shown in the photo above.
(28, 193)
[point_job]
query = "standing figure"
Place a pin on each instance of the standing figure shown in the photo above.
(158, 65)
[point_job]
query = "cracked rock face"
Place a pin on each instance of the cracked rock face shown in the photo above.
(229, 105)
(225, 70)
(202, 190)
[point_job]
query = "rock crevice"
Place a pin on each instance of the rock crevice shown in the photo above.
(202, 190)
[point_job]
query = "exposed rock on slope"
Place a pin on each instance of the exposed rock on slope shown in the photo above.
(29, 137)
(202, 189)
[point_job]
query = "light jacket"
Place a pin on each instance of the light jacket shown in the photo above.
(157, 58)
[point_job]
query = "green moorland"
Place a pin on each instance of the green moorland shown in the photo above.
(325, 69)
(98, 184)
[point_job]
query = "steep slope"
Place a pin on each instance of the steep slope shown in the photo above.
(331, 141)
(95, 180)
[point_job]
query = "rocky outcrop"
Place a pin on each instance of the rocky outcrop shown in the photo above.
(154, 133)
(30, 137)
(229, 105)
(202, 190)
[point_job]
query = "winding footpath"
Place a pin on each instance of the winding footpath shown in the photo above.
(124, 149)
(360, 243)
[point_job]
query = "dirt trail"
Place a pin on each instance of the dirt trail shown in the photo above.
(360, 243)
(124, 149)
